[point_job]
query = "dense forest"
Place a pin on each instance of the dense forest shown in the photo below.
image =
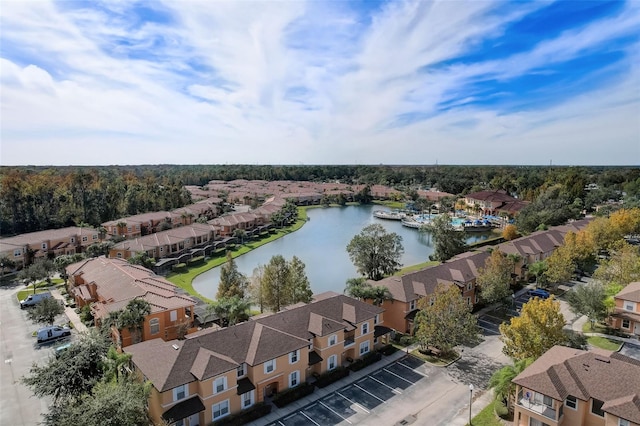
(36, 198)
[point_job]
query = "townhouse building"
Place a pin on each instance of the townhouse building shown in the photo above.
(25, 248)
(408, 289)
(571, 387)
(626, 314)
(214, 373)
(108, 285)
(493, 202)
(144, 224)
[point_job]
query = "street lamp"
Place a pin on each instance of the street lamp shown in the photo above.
(470, 400)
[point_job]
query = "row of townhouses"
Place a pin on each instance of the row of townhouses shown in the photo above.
(214, 373)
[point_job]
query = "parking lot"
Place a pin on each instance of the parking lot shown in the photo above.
(490, 321)
(353, 403)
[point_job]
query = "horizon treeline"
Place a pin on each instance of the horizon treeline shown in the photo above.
(36, 198)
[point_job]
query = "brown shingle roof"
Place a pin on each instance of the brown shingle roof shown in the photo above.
(603, 375)
(631, 292)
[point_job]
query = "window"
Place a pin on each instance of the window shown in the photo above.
(333, 339)
(294, 356)
(628, 306)
(118, 255)
(17, 252)
(596, 407)
(470, 286)
(173, 315)
(364, 347)
(161, 249)
(294, 379)
(73, 239)
(269, 366)
(539, 398)
(84, 239)
(412, 305)
(241, 370)
(623, 422)
(154, 325)
(220, 410)
(626, 324)
(571, 402)
(181, 392)
(376, 319)
(469, 301)
(247, 399)
(332, 362)
(128, 229)
(536, 422)
(44, 246)
(179, 423)
(220, 385)
(94, 237)
(365, 328)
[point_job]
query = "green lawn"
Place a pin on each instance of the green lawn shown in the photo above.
(185, 280)
(413, 268)
(604, 343)
(597, 328)
(432, 359)
(41, 287)
(487, 417)
(22, 294)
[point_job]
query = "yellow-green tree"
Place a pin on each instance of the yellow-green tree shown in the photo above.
(510, 232)
(621, 268)
(535, 331)
(581, 248)
(494, 278)
(560, 266)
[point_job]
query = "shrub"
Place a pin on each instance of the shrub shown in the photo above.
(501, 408)
(331, 376)
(246, 416)
(179, 267)
(366, 360)
(407, 340)
(85, 314)
(387, 350)
(290, 395)
(197, 259)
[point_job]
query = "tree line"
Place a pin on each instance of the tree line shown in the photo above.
(38, 198)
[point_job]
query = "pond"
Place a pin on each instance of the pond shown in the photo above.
(321, 244)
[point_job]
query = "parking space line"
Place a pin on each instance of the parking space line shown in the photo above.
(412, 369)
(366, 391)
(335, 412)
(353, 402)
(281, 424)
(398, 376)
(386, 385)
(310, 419)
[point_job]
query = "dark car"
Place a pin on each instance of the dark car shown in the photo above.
(538, 292)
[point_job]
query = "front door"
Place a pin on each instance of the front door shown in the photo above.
(194, 420)
(637, 328)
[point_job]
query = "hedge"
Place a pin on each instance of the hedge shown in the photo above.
(387, 350)
(255, 412)
(331, 376)
(290, 395)
(365, 361)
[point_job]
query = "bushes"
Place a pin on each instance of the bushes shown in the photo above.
(258, 410)
(331, 376)
(387, 350)
(501, 409)
(196, 260)
(290, 395)
(366, 360)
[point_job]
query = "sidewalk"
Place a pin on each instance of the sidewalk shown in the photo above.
(277, 413)
(577, 327)
(479, 403)
(70, 313)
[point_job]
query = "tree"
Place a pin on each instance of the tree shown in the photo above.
(560, 266)
(142, 259)
(535, 331)
(494, 279)
(589, 299)
(284, 283)
(6, 263)
(230, 310)
(538, 269)
(378, 294)
(375, 252)
(298, 286)
(232, 282)
(114, 365)
(240, 234)
(61, 262)
(132, 318)
(510, 232)
(74, 372)
(364, 195)
(356, 287)
(109, 403)
(45, 311)
(448, 241)
(622, 267)
(99, 249)
(501, 381)
(255, 287)
(581, 249)
(35, 272)
(447, 322)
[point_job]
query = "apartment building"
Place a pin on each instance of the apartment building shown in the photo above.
(213, 373)
(108, 285)
(571, 387)
(626, 314)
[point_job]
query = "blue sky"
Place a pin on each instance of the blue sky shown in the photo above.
(319, 82)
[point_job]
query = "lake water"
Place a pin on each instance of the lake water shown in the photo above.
(321, 244)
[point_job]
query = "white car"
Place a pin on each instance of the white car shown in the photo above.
(52, 333)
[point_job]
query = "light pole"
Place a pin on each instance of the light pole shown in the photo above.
(470, 401)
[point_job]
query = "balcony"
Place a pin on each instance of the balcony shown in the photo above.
(535, 406)
(349, 340)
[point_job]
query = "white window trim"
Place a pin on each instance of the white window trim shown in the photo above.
(376, 319)
(154, 322)
(270, 362)
(362, 328)
(629, 306)
(628, 327)
(297, 376)
(623, 422)
(333, 337)
(575, 402)
(362, 345)
(250, 393)
(226, 401)
(295, 353)
(175, 392)
(224, 385)
(173, 316)
(591, 409)
(412, 305)
(335, 364)
(242, 366)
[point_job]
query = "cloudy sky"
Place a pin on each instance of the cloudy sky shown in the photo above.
(319, 82)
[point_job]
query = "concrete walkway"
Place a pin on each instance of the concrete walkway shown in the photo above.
(70, 313)
(580, 322)
(479, 403)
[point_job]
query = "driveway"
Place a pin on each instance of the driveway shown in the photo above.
(19, 350)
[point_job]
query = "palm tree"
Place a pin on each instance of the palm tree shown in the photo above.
(132, 318)
(356, 287)
(378, 294)
(240, 233)
(502, 384)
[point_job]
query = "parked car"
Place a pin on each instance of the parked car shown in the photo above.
(60, 349)
(53, 332)
(538, 292)
(34, 299)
